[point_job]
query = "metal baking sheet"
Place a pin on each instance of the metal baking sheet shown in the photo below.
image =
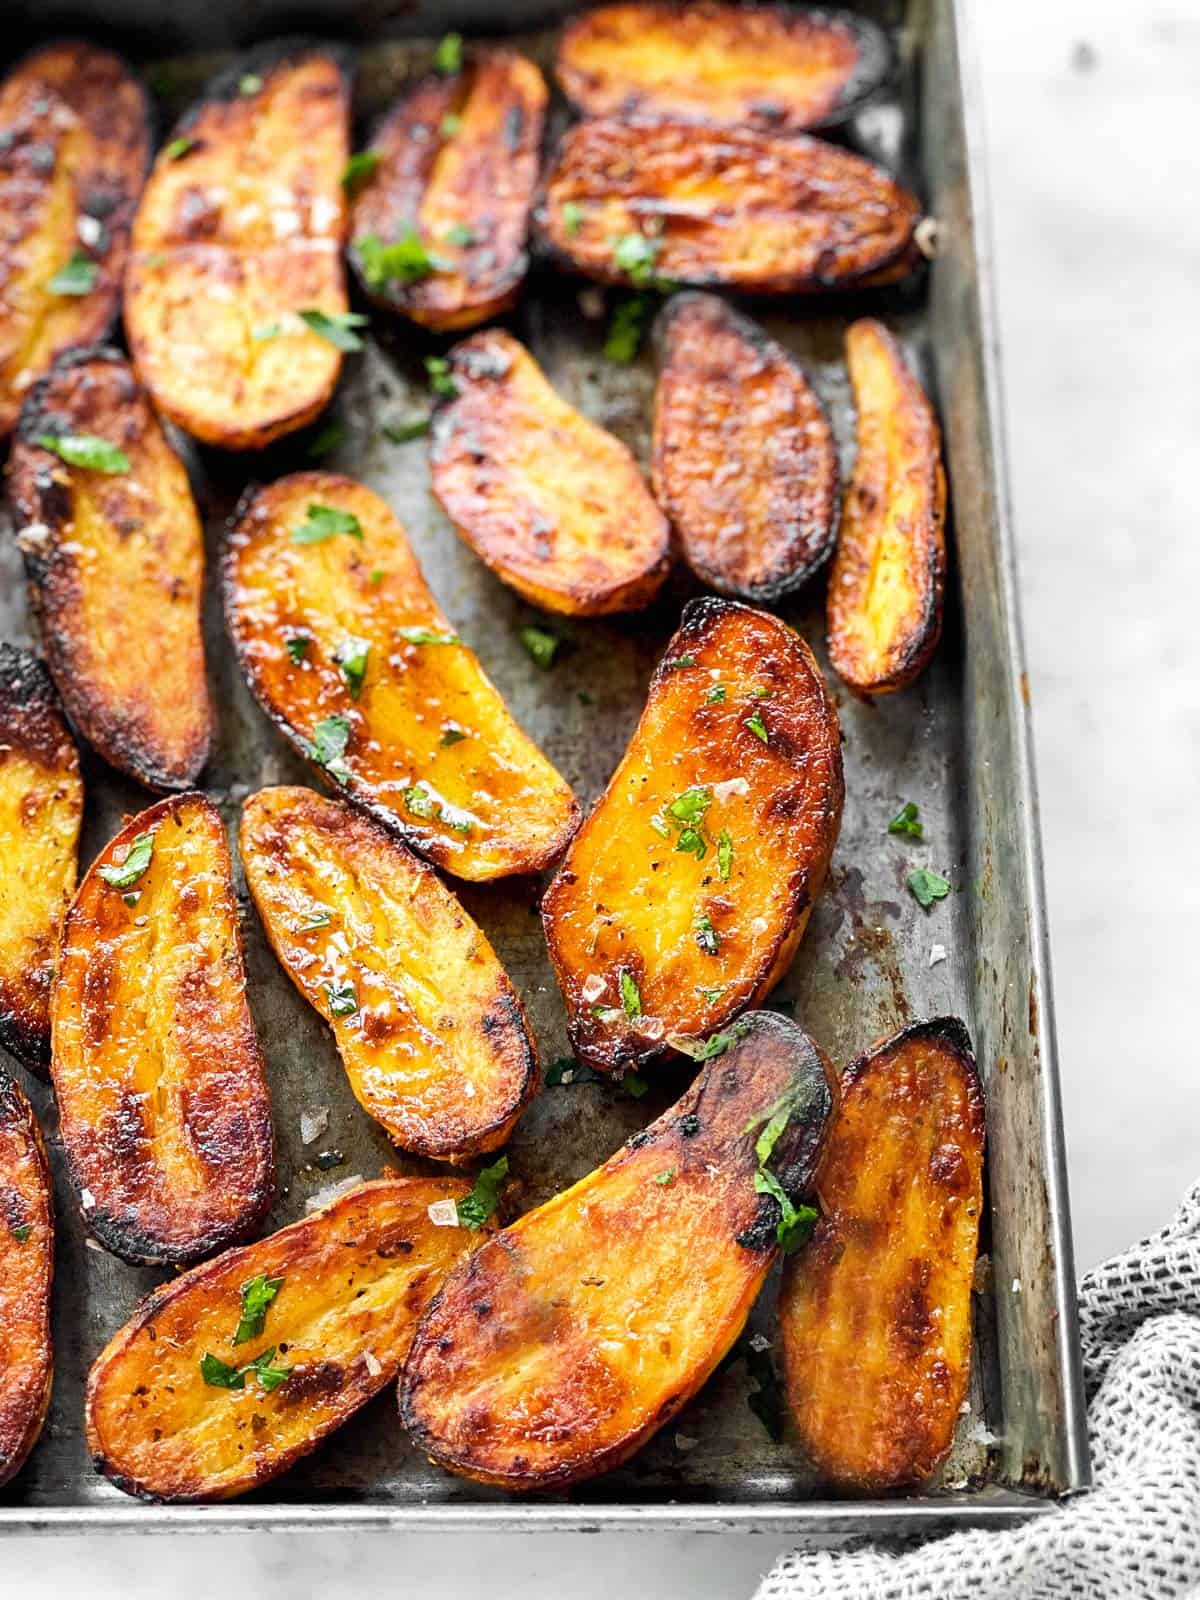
(958, 743)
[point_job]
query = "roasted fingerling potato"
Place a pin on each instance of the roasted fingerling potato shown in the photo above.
(876, 1310)
(887, 582)
(235, 301)
(684, 895)
(550, 501)
(439, 229)
(114, 553)
(73, 158)
(635, 204)
(778, 68)
(557, 1349)
(41, 809)
(429, 1028)
(162, 1097)
(744, 460)
(26, 1274)
(226, 1376)
(350, 656)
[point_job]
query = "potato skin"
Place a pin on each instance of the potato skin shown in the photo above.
(764, 213)
(583, 540)
(238, 235)
(888, 578)
(626, 900)
(77, 144)
(162, 1096)
(744, 459)
(41, 809)
(116, 570)
(482, 177)
(26, 1274)
(356, 1276)
(439, 1049)
(496, 783)
(557, 1349)
(876, 1309)
(778, 68)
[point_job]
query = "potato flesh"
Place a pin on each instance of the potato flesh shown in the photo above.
(159, 1078)
(876, 1311)
(26, 1272)
(627, 900)
(553, 503)
(356, 1276)
(436, 1049)
(888, 574)
(514, 813)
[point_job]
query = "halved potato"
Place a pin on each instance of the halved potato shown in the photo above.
(876, 1311)
(744, 459)
(343, 1289)
(889, 571)
(41, 808)
(766, 213)
(555, 1351)
(683, 897)
(26, 1273)
(115, 561)
(553, 503)
(162, 1099)
(352, 659)
(458, 165)
(239, 233)
(430, 1030)
(73, 157)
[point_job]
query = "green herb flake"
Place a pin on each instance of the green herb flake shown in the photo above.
(448, 57)
(665, 1178)
(137, 859)
(218, 1374)
(451, 124)
(343, 1002)
(132, 898)
(766, 1398)
(907, 822)
(451, 735)
(249, 83)
(297, 648)
(358, 169)
(627, 328)
(715, 1045)
(77, 278)
(404, 260)
(572, 216)
(179, 148)
(85, 450)
(330, 738)
(678, 662)
(758, 727)
(461, 234)
(691, 842)
(707, 936)
(257, 1295)
(635, 255)
(691, 805)
(716, 695)
(266, 330)
(327, 441)
(315, 919)
(352, 658)
(634, 1085)
(420, 803)
(542, 646)
(926, 887)
(441, 380)
(631, 998)
(714, 994)
(375, 575)
(270, 1377)
(724, 855)
(481, 1204)
(405, 432)
(21, 1231)
(336, 328)
(326, 522)
(795, 1223)
(566, 1071)
(427, 636)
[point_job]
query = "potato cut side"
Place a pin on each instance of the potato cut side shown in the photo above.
(429, 1028)
(343, 1290)
(744, 459)
(683, 897)
(351, 657)
(439, 228)
(876, 1310)
(565, 1342)
(238, 237)
(26, 1273)
(162, 1099)
(779, 68)
(115, 561)
(768, 213)
(41, 809)
(73, 160)
(553, 503)
(889, 571)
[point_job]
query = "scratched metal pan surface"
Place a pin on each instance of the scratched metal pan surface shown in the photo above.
(957, 743)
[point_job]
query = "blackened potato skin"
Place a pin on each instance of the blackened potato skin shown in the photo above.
(26, 1275)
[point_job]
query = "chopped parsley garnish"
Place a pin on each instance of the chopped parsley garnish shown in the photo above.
(451, 736)
(448, 56)
(358, 169)
(375, 575)
(420, 803)
(257, 1295)
(716, 695)
(724, 855)
(666, 1177)
(707, 936)
(572, 215)
(327, 441)
(679, 661)
(336, 328)
(178, 148)
(480, 1205)
(795, 1223)
(631, 998)
(219, 1374)
(566, 1070)
(427, 636)
(461, 233)
(326, 522)
(352, 658)
(249, 83)
(757, 726)
(78, 277)
(404, 432)
(634, 1086)
(297, 648)
(85, 450)
(330, 738)
(906, 821)
(634, 254)
(686, 812)
(136, 861)
(691, 805)
(405, 260)
(451, 123)
(21, 1231)
(440, 379)
(627, 328)
(707, 1049)
(714, 994)
(343, 1002)
(315, 919)
(926, 886)
(542, 646)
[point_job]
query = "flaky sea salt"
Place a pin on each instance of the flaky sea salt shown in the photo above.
(373, 1366)
(87, 1199)
(444, 1214)
(313, 1124)
(731, 786)
(332, 1191)
(936, 954)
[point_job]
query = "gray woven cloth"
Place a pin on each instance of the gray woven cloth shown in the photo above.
(1136, 1536)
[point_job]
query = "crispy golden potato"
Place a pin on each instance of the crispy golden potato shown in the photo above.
(889, 571)
(779, 68)
(343, 1289)
(350, 656)
(458, 165)
(162, 1100)
(683, 897)
(26, 1273)
(876, 1311)
(73, 157)
(41, 808)
(766, 213)
(115, 561)
(431, 1032)
(744, 459)
(553, 503)
(240, 233)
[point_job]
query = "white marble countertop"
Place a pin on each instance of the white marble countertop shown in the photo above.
(1095, 169)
